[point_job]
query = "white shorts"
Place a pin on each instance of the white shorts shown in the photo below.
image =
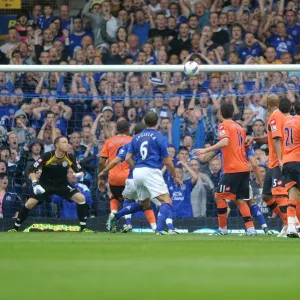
(130, 192)
(250, 193)
(156, 202)
(149, 183)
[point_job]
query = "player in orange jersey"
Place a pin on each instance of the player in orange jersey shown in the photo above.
(118, 175)
(274, 192)
(234, 184)
(291, 167)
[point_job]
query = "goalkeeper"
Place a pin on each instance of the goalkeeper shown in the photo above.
(54, 166)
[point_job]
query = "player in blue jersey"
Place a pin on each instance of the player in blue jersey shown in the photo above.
(254, 208)
(149, 150)
(129, 193)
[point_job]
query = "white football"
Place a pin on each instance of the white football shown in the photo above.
(191, 68)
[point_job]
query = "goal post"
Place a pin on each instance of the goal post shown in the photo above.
(149, 68)
(54, 87)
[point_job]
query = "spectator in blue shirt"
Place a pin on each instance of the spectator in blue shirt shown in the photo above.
(292, 29)
(5, 84)
(77, 35)
(282, 42)
(75, 141)
(139, 26)
(6, 109)
(181, 195)
(64, 17)
(46, 19)
(253, 48)
(10, 203)
(68, 209)
(165, 128)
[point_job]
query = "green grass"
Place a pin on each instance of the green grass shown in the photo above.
(140, 266)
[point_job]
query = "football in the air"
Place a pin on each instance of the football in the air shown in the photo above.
(191, 68)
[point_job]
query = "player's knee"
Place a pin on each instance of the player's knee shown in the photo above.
(145, 205)
(266, 198)
(169, 200)
(239, 202)
(165, 199)
(79, 198)
(31, 203)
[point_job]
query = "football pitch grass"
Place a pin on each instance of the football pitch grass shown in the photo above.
(143, 266)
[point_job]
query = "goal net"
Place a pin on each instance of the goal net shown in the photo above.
(36, 107)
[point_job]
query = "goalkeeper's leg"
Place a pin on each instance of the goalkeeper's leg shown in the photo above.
(23, 214)
(82, 211)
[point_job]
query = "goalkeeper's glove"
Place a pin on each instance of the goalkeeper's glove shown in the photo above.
(79, 176)
(37, 188)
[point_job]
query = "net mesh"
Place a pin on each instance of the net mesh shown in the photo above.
(87, 107)
(188, 107)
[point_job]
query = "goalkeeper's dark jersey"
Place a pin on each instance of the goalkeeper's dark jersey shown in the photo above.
(54, 169)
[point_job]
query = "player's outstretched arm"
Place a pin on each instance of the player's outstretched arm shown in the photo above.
(129, 160)
(37, 188)
(205, 158)
(101, 183)
(261, 139)
(102, 163)
(256, 170)
(111, 165)
(76, 167)
(221, 144)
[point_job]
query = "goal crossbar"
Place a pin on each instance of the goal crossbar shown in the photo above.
(147, 68)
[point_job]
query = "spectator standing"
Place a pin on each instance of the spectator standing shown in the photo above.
(10, 203)
(100, 19)
(139, 26)
(12, 41)
(77, 35)
(181, 195)
(66, 21)
(201, 190)
(46, 18)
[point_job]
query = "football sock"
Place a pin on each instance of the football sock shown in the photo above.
(114, 205)
(169, 222)
(222, 213)
(149, 214)
(24, 212)
(163, 214)
(282, 208)
(132, 208)
(256, 213)
(245, 212)
(82, 210)
(291, 212)
(298, 210)
(297, 223)
(127, 217)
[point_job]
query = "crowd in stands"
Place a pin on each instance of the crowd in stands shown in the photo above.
(37, 107)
